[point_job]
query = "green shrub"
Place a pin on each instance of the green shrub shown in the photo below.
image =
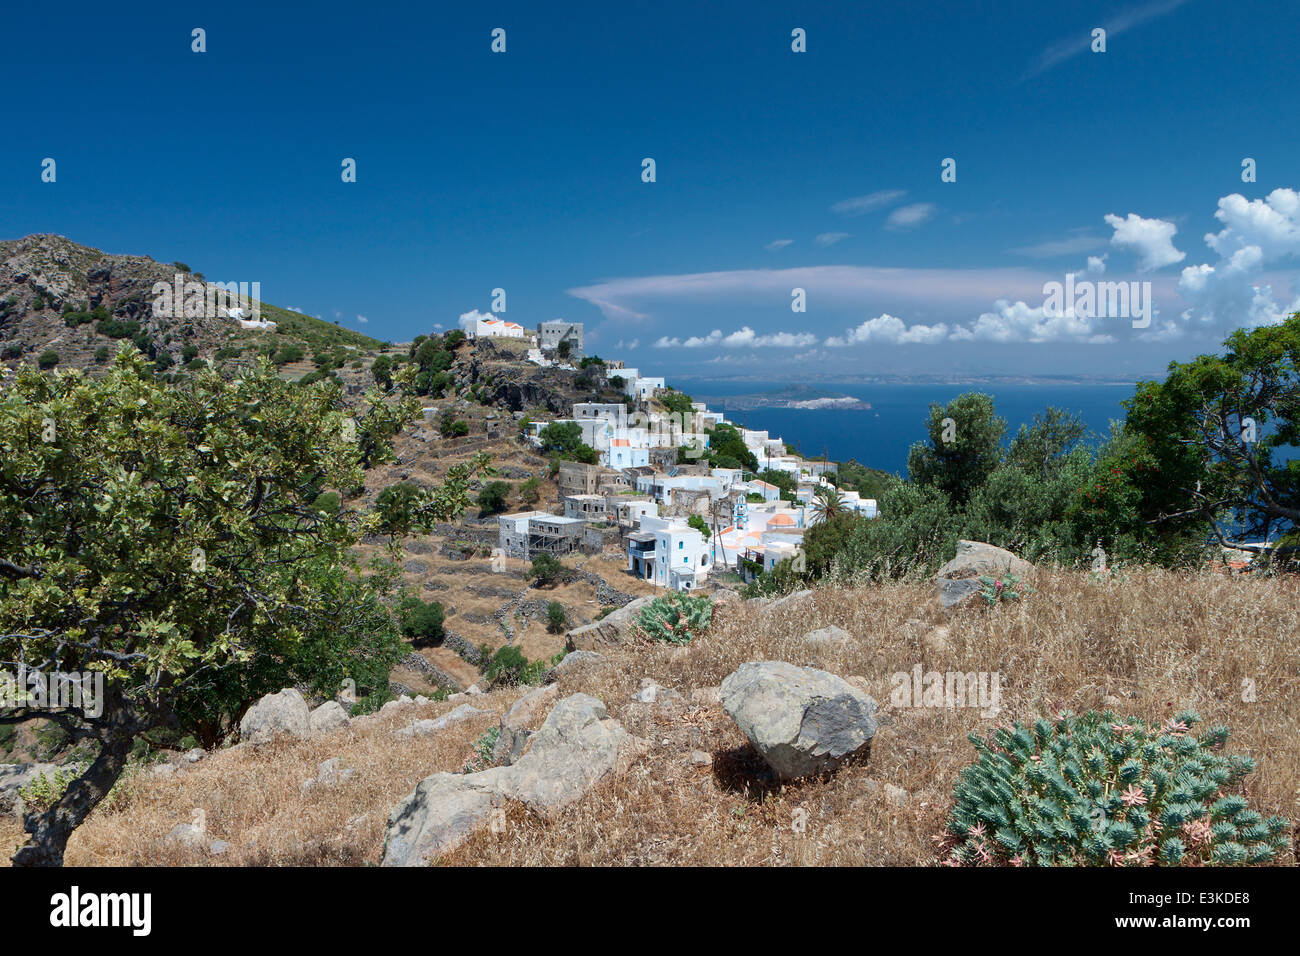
(1104, 790)
(547, 569)
(118, 328)
(103, 354)
(509, 666)
(422, 622)
(452, 427)
(492, 498)
(394, 507)
(556, 620)
(43, 792)
(48, 359)
(676, 618)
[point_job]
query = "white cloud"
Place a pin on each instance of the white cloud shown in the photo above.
(1019, 322)
(1058, 53)
(905, 217)
(742, 338)
(827, 239)
(890, 330)
(859, 205)
(1151, 239)
(1096, 265)
(1234, 290)
(363, 320)
(777, 244)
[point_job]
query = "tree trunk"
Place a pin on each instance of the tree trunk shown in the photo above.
(51, 830)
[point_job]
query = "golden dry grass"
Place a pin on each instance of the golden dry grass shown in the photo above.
(1158, 640)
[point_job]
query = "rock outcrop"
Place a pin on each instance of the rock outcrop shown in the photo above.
(275, 714)
(575, 748)
(958, 580)
(617, 627)
(801, 720)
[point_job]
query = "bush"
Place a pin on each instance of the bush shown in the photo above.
(1102, 790)
(103, 354)
(547, 570)
(676, 618)
(508, 666)
(394, 507)
(422, 622)
(531, 490)
(48, 359)
(492, 498)
(556, 620)
(118, 328)
(452, 427)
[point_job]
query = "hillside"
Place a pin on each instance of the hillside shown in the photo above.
(59, 296)
(1148, 645)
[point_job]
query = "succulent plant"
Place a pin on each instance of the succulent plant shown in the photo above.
(1102, 790)
(676, 618)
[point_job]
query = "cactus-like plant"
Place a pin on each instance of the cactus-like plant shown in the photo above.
(1007, 587)
(676, 618)
(1103, 790)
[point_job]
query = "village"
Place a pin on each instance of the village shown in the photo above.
(652, 495)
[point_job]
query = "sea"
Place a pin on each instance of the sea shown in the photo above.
(881, 436)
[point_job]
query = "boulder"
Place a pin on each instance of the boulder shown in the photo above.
(518, 722)
(958, 580)
(424, 728)
(617, 627)
(801, 720)
(828, 636)
(573, 660)
(327, 718)
(792, 599)
(330, 773)
(575, 748)
(282, 713)
(187, 835)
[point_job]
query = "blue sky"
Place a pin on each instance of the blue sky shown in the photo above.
(775, 170)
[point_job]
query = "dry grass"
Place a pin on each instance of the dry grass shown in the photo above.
(1158, 640)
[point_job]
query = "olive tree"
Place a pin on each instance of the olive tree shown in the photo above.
(166, 538)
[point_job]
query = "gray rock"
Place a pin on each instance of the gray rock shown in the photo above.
(800, 719)
(187, 835)
(329, 774)
(574, 749)
(195, 755)
(573, 660)
(828, 636)
(792, 599)
(958, 580)
(614, 628)
(327, 718)
(518, 721)
(424, 728)
(218, 847)
(282, 713)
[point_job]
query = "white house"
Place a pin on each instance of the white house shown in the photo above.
(496, 328)
(621, 453)
(645, 387)
(670, 554)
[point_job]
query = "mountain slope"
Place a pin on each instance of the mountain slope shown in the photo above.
(70, 299)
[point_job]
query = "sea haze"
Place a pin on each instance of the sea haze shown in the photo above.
(880, 437)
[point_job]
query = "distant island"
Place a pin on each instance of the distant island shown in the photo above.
(793, 396)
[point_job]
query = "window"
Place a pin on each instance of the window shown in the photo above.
(680, 545)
